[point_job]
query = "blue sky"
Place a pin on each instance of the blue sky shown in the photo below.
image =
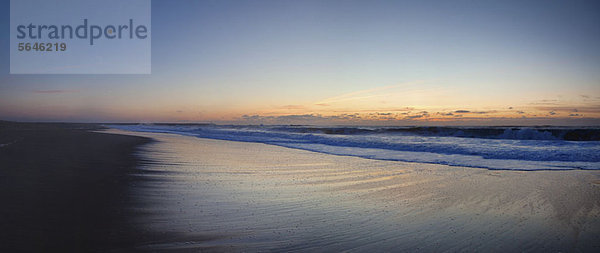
(220, 60)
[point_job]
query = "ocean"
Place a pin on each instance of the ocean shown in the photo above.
(494, 148)
(245, 196)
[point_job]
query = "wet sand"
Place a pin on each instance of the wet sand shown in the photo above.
(65, 188)
(234, 196)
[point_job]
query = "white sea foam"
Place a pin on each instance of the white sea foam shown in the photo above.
(491, 148)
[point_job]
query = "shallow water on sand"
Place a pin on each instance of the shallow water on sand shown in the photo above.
(224, 195)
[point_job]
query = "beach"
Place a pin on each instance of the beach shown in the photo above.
(238, 196)
(83, 187)
(300, 126)
(65, 188)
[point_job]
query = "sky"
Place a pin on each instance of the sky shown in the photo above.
(339, 63)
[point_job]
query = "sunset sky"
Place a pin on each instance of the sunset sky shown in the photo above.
(339, 62)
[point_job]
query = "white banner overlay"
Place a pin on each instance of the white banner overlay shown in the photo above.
(80, 37)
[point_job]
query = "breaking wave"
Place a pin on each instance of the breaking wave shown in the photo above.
(502, 148)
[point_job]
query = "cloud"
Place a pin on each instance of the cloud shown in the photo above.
(473, 112)
(546, 102)
(589, 109)
(251, 117)
(367, 93)
(312, 118)
(293, 107)
(53, 91)
(417, 117)
(300, 117)
(484, 112)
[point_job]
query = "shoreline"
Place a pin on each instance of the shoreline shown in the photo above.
(65, 187)
(525, 149)
(217, 194)
(83, 187)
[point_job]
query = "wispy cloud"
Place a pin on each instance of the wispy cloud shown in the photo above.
(293, 107)
(53, 91)
(588, 109)
(419, 118)
(363, 94)
(474, 112)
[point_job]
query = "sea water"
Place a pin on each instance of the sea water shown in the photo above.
(495, 148)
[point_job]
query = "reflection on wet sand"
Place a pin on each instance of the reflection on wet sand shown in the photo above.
(212, 194)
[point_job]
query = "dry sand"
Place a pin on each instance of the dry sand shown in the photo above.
(223, 195)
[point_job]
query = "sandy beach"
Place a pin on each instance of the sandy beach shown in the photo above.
(300, 126)
(237, 196)
(81, 187)
(65, 188)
